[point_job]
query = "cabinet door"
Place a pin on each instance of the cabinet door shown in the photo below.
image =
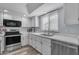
(59, 48)
(33, 41)
(38, 44)
(46, 46)
(38, 47)
(24, 40)
(46, 50)
(30, 38)
(2, 44)
(30, 41)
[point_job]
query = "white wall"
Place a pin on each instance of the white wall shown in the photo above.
(71, 13)
(66, 28)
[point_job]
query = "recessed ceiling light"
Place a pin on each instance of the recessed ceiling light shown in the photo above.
(5, 10)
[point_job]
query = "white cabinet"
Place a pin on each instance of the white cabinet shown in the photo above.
(2, 44)
(36, 21)
(26, 22)
(38, 46)
(7, 16)
(33, 22)
(46, 46)
(24, 40)
(34, 41)
(30, 38)
(41, 44)
(71, 11)
(38, 43)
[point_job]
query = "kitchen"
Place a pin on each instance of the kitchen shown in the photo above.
(41, 28)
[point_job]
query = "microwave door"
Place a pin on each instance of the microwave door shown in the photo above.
(11, 23)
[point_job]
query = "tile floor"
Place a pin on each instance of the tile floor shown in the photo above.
(23, 51)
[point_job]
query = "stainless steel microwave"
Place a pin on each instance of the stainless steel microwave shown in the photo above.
(11, 23)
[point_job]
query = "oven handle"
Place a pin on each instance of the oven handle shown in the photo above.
(11, 35)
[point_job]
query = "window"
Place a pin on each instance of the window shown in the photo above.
(49, 22)
(44, 22)
(54, 21)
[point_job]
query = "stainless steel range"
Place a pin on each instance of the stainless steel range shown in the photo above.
(12, 40)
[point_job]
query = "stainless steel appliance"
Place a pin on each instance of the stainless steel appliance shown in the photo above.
(11, 23)
(12, 40)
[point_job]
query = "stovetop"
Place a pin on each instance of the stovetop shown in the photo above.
(12, 33)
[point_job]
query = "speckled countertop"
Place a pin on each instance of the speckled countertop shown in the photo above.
(69, 38)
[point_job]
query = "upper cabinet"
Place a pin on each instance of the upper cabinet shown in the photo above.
(26, 22)
(35, 21)
(11, 16)
(71, 11)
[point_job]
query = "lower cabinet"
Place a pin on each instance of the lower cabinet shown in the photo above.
(30, 39)
(47, 46)
(2, 44)
(38, 43)
(60, 48)
(41, 44)
(24, 40)
(38, 47)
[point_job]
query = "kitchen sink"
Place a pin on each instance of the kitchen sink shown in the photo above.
(46, 34)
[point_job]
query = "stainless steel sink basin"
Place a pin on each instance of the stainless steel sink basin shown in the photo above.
(45, 34)
(49, 33)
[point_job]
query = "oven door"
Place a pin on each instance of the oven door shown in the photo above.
(12, 40)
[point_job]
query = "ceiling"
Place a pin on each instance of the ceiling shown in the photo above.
(17, 7)
(30, 9)
(24, 8)
(45, 8)
(32, 6)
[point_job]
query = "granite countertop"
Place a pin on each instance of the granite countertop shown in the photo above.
(69, 38)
